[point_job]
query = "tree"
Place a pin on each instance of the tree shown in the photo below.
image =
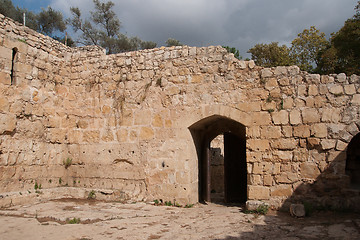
(233, 51)
(50, 21)
(343, 54)
(173, 42)
(103, 29)
(9, 10)
(271, 55)
(306, 47)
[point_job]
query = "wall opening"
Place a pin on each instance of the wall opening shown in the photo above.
(221, 148)
(353, 161)
(13, 59)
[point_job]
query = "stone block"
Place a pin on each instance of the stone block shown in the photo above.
(253, 205)
(350, 89)
(297, 210)
(313, 90)
(309, 170)
(283, 156)
(327, 144)
(295, 117)
(266, 72)
(340, 145)
(258, 192)
(283, 190)
(5, 78)
(302, 131)
(91, 136)
(310, 115)
(284, 144)
(286, 177)
(142, 117)
(268, 180)
(336, 89)
(253, 132)
(319, 130)
(146, 133)
(281, 117)
(269, 132)
(7, 123)
(313, 142)
(258, 144)
(331, 115)
(249, 106)
(356, 100)
(287, 131)
(4, 104)
(260, 118)
(257, 168)
(271, 83)
(302, 90)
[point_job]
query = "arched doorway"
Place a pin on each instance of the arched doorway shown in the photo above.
(353, 161)
(235, 170)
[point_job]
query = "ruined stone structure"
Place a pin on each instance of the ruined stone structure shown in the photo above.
(138, 125)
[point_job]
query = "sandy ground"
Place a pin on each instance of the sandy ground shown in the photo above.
(104, 220)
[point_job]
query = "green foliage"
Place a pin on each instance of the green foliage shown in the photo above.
(48, 21)
(271, 55)
(189, 205)
(67, 163)
(60, 181)
(168, 203)
(73, 221)
(92, 195)
(262, 210)
(157, 202)
(234, 51)
(173, 42)
(305, 48)
(103, 29)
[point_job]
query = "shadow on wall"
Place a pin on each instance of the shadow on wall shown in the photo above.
(337, 189)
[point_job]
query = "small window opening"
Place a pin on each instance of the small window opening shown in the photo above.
(12, 74)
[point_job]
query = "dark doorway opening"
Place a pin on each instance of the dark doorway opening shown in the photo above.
(234, 179)
(353, 161)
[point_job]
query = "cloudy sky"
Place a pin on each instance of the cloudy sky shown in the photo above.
(236, 23)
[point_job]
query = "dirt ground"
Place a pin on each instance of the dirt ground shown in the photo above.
(108, 220)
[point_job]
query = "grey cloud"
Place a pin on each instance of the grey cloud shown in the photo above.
(238, 23)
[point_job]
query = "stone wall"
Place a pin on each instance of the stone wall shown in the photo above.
(123, 120)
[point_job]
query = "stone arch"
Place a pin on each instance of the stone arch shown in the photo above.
(235, 174)
(353, 161)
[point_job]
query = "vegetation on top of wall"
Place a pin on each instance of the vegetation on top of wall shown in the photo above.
(313, 53)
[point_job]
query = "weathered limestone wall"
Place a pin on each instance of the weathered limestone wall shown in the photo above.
(123, 120)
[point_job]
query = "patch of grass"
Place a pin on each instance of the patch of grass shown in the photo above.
(177, 204)
(60, 181)
(261, 210)
(189, 205)
(270, 110)
(67, 163)
(281, 104)
(156, 202)
(269, 99)
(92, 195)
(37, 186)
(73, 221)
(22, 40)
(168, 203)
